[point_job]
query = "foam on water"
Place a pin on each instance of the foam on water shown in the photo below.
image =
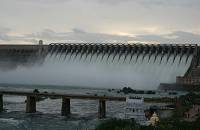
(10, 121)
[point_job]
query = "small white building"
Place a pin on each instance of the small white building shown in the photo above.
(134, 111)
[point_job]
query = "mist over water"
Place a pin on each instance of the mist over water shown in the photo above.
(102, 73)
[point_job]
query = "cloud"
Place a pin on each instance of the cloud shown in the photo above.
(48, 1)
(34, 40)
(47, 33)
(76, 30)
(149, 3)
(3, 34)
(4, 37)
(30, 38)
(4, 30)
(186, 37)
(78, 35)
(174, 37)
(111, 2)
(181, 3)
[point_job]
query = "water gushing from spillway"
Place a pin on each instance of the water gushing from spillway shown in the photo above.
(103, 69)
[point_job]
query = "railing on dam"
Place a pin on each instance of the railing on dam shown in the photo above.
(65, 110)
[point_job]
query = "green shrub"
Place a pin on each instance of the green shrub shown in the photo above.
(116, 124)
(171, 106)
(127, 127)
(150, 92)
(36, 91)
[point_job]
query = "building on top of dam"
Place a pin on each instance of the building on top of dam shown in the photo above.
(192, 76)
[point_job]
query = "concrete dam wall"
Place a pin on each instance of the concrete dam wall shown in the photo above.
(100, 63)
(13, 55)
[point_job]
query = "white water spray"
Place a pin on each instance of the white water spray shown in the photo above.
(101, 73)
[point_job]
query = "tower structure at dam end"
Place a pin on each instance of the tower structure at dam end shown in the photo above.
(191, 79)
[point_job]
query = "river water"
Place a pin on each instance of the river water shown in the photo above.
(48, 116)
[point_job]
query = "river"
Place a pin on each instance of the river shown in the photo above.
(48, 116)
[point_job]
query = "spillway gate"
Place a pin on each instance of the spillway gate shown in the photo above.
(146, 50)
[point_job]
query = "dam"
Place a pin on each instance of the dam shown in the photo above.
(102, 63)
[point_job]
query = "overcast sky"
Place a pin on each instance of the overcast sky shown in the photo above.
(56, 21)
